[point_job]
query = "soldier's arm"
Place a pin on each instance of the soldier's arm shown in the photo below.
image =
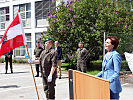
(52, 70)
(77, 52)
(86, 55)
(33, 61)
(36, 62)
(54, 63)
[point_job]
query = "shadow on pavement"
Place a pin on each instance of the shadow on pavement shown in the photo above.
(10, 86)
(16, 72)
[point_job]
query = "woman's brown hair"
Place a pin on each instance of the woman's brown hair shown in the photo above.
(114, 41)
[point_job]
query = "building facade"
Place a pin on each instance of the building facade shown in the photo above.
(33, 13)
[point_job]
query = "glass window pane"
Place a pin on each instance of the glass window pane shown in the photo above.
(2, 18)
(46, 4)
(23, 15)
(7, 10)
(28, 36)
(2, 11)
(17, 51)
(1, 37)
(2, 25)
(22, 7)
(29, 44)
(38, 36)
(23, 21)
(45, 13)
(15, 10)
(22, 50)
(28, 14)
(7, 18)
(38, 5)
(38, 13)
(28, 6)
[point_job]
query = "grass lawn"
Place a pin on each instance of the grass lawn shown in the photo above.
(93, 72)
(65, 68)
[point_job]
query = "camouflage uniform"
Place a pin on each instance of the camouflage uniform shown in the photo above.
(82, 55)
(48, 59)
(37, 53)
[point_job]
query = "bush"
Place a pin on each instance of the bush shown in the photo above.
(97, 65)
(124, 66)
(19, 61)
(2, 60)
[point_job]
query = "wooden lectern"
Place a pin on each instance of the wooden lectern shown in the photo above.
(85, 86)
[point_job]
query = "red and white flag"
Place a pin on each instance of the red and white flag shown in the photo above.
(13, 37)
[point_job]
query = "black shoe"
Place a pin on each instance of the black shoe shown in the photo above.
(37, 76)
(11, 71)
(59, 77)
(5, 72)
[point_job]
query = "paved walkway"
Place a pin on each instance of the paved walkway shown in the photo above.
(20, 85)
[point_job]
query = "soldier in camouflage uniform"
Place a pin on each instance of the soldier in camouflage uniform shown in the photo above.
(37, 53)
(48, 62)
(82, 55)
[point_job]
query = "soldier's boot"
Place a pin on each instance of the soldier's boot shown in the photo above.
(37, 75)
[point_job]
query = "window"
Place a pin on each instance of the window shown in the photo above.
(38, 36)
(4, 17)
(42, 8)
(1, 37)
(25, 12)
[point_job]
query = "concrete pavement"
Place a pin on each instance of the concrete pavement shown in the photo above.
(127, 87)
(20, 85)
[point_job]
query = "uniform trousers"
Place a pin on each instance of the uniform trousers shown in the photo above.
(37, 68)
(81, 66)
(49, 87)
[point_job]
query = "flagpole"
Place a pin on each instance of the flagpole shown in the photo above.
(32, 73)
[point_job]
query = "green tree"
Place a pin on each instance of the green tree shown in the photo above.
(115, 18)
(86, 20)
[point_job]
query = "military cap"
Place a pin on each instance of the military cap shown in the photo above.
(81, 42)
(38, 41)
(47, 39)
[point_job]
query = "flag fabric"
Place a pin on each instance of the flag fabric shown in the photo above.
(13, 37)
